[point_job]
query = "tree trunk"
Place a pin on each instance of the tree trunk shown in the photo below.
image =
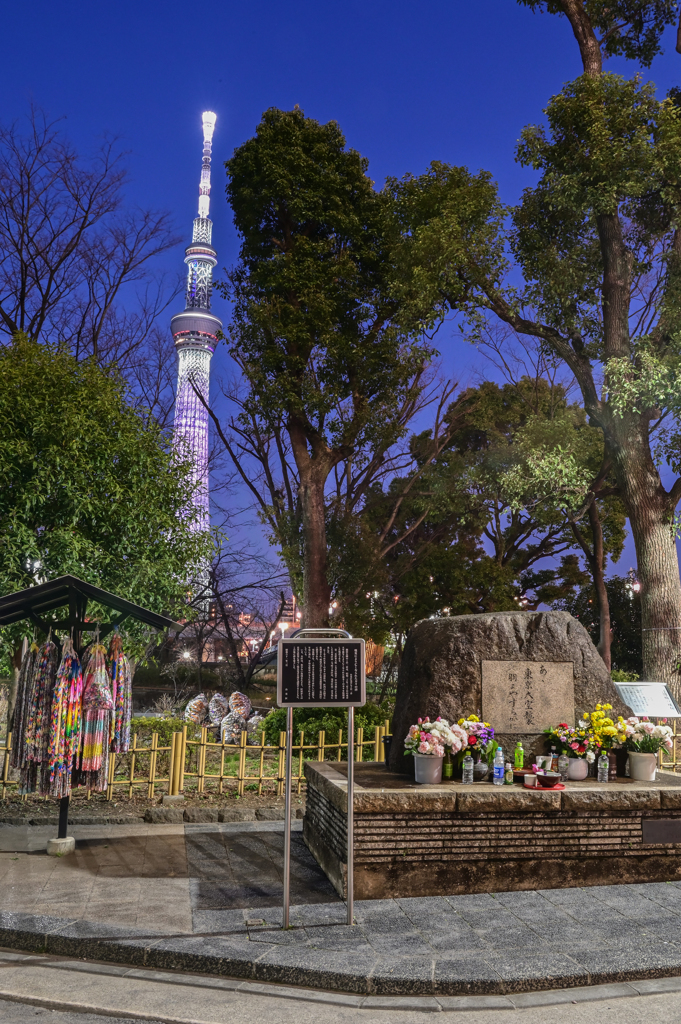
(589, 49)
(316, 589)
(597, 571)
(650, 514)
(595, 559)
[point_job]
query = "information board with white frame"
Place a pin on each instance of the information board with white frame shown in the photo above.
(651, 699)
(316, 670)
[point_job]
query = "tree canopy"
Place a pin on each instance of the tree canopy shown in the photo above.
(88, 485)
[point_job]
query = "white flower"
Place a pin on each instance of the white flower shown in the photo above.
(590, 756)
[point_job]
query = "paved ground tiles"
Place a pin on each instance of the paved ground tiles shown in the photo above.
(208, 898)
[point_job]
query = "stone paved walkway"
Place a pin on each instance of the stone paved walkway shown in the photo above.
(207, 898)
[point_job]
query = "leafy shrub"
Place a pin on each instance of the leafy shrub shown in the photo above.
(313, 720)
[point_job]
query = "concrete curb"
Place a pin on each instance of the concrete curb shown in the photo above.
(106, 1002)
(242, 959)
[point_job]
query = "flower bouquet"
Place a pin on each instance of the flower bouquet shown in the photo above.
(481, 742)
(605, 732)
(429, 743)
(643, 740)
(577, 743)
(570, 740)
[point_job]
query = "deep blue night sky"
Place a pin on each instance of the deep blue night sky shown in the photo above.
(408, 83)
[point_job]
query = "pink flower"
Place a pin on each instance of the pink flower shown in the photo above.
(424, 748)
(574, 746)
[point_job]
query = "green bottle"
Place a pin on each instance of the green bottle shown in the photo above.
(519, 755)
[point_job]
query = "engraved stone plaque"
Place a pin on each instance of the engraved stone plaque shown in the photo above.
(527, 696)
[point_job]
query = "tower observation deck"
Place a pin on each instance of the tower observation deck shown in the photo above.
(195, 332)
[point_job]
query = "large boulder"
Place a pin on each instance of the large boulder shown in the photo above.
(441, 670)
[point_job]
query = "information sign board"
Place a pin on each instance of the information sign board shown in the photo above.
(323, 673)
(651, 699)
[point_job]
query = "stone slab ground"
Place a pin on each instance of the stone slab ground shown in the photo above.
(206, 898)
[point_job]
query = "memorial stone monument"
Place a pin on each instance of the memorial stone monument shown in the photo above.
(521, 671)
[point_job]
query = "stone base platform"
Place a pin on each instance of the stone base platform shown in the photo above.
(452, 839)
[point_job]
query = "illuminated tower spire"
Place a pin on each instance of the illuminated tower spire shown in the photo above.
(195, 334)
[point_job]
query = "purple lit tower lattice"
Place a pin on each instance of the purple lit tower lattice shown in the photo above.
(195, 335)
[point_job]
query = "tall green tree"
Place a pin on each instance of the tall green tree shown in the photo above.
(598, 244)
(333, 360)
(88, 485)
(625, 620)
(500, 527)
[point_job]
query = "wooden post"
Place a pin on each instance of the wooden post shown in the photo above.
(377, 743)
(152, 765)
(183, 758)
(359, 745)
(320, 745)
(202, 760)
(131, 778)
(110, 779)
(340, 745)
(242, 762)
(174, 785)
(262, 763)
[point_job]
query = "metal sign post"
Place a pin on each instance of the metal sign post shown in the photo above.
(287, 817)
(351, 817)
(319, 671)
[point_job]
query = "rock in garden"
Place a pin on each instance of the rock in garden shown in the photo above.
(236, 814)
(201, 814)
(164, 815)
(442, 674)
(270, 813)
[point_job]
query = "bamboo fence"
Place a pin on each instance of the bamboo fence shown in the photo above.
(203, 765)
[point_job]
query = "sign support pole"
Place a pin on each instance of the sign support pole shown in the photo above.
(287, 816)
(320, 671)
(351, 816)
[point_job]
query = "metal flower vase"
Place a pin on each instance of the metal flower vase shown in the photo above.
(427, 769)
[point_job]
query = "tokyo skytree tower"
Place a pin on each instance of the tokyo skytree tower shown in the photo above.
(195, 335)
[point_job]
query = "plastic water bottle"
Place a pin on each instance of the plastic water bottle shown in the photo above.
(603, 768)
(498, 778)
(563, 765)
(467, 777)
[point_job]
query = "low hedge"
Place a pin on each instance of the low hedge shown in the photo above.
(313, 720)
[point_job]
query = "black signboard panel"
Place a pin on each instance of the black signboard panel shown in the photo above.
(321, 673)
